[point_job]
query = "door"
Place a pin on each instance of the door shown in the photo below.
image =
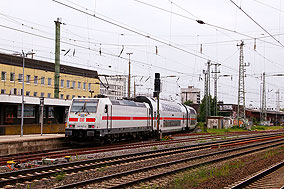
(109, 117)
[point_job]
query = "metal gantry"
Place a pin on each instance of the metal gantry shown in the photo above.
(263, 104)
(207, 89)
(241, 114)
(216, 87)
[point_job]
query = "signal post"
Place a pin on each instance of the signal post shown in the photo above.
(157, 90)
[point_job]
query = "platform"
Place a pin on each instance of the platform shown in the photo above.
(14, 144)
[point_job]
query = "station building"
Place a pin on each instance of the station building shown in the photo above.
(39, 82)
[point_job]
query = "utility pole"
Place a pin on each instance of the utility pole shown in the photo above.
(241, 88)
(208, 75)
(57, 58)
(215, 87)
(134, 89)
(129, 76)
(277, 104)
(41, 114)
(207, 89)
(263, 104)
(23, 101)
(157, 90)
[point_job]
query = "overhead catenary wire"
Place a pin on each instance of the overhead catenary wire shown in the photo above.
(257, 23)
(199, 21)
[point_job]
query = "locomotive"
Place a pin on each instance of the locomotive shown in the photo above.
(102, 119)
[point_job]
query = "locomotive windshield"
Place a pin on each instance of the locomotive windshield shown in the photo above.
(88, 106)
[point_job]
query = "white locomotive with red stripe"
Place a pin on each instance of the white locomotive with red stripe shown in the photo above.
(105, 119)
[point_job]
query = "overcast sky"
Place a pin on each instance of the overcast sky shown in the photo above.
(163, 36)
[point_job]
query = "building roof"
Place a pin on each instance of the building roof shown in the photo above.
(46, 66)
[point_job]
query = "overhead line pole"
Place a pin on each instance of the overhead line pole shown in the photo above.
(215, 87)
(129, 76)
(241, 87)
(57, 58)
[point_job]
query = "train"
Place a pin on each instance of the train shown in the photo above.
(105, 119)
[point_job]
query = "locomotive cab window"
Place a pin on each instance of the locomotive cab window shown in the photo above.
(87, 106)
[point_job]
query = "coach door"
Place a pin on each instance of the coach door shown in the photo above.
(109, 117)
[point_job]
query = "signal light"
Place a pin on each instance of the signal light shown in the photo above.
(157, 83)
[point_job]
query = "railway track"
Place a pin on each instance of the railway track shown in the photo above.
(91, 165)
(74, 151)
(130, 177)
(91, 150)
(272, 177)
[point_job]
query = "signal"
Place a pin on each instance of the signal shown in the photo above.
(157, 83)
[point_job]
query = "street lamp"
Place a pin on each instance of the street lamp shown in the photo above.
(23, 55)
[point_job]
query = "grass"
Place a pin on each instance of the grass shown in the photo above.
(154, 148)
(259, 127)
(60, 176)
(193, 179)
(224, 131)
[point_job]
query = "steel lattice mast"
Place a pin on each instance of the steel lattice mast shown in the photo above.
(241, 88)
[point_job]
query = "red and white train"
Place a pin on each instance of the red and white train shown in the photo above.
(105, 119)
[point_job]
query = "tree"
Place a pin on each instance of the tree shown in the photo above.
(202, 113)
(188, 103)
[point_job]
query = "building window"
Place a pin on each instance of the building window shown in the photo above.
(12, 76)
(84, 86)
(35, 93)
(67, 96)
(20, 78)
(3, 91)
(49, 95)
(84, 96)
(50, 112)
(42, 81)
(73, 96)
(3, 76)
(27, 93)
(28, 79)
(62, 83)
(79, 85)
(14, 91)
(41, 94)
(68, 84)
(79, 96)
(61, 96)
(35, 80)
(29, 111)
(73, 84)
(49, 82)
(89, 86)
